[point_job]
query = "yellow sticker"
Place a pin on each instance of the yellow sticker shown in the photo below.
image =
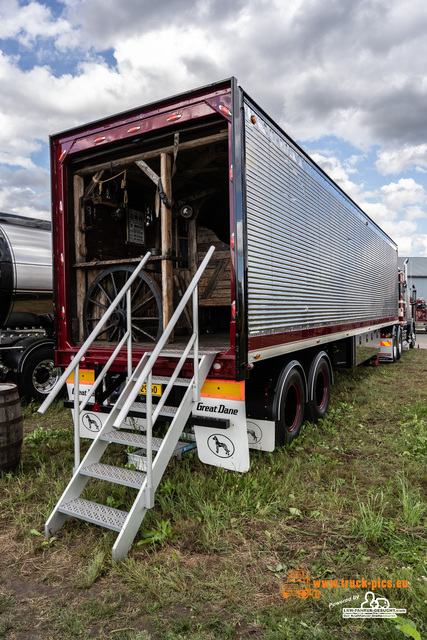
(223, 389)
(86, 376)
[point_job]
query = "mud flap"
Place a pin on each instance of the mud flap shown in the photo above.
(261, 434)
(226, 448)
(91, 421)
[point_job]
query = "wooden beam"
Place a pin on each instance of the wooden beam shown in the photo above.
(81, 252)
(166, 239)
(184, 146)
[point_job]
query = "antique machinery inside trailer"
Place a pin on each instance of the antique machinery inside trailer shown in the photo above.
(169, 195)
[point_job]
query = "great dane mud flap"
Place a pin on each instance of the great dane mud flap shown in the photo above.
(227, 448)
(261, 434)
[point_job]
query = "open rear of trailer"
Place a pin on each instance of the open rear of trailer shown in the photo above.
(252, 256)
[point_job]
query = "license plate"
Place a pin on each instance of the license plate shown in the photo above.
(156, 389)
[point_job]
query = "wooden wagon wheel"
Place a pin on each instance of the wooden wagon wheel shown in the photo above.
(146, 306)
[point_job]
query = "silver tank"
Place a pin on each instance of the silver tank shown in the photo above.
(25, 267)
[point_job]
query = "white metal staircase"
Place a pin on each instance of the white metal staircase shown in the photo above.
(114, 432)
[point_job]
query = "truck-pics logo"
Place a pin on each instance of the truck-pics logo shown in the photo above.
(372, 607)
(221, 446)
(298, 584)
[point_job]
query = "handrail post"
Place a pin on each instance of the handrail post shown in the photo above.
(129, 328)
(76, 417)
(149, 450)
(196, 343)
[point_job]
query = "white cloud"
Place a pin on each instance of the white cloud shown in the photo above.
(28, 22)
(420, 245)
(354, 70)
(402, 159)
(403, 193)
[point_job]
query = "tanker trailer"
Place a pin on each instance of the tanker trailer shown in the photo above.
(26, 305)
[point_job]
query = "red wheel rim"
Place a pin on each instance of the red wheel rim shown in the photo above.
(321, 390)
(292, 409)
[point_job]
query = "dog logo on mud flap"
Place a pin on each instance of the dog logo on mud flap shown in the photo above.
(91, 422)
(221, 446)
(254, 433)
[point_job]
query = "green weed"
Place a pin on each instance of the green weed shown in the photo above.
(157, 535)
(370, 525)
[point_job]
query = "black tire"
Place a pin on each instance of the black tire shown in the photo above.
(289, 404)
(39, 374)
(319, 385)
(146, 306)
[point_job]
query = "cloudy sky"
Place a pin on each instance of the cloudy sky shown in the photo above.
(347, 79)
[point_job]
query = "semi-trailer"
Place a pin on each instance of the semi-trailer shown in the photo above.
(203, 197)
(26, 306)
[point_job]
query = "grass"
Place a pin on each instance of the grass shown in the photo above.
(346, 501)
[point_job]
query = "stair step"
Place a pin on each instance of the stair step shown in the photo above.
(179, 382)
(172, 353)
(119, 475)
(141, 408)
(95, 513)
(136, 440)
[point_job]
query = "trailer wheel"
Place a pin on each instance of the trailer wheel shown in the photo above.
(39, 374)
(146, 306)
(319, 388)
(289, 403)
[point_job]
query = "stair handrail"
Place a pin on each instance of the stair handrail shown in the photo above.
(74, 364)
(165, 336)
(146, 373)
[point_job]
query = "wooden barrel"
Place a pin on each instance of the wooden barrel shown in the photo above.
(11, 427)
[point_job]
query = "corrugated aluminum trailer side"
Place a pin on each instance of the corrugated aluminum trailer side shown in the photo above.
(318, 268)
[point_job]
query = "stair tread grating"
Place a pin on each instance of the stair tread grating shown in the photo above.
(96, 513)
(166, 379)
(141, 407)
(137, 440)
(120, 475)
